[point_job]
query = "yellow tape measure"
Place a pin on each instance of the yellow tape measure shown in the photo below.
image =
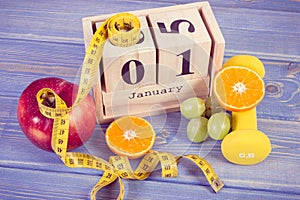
(123, 30)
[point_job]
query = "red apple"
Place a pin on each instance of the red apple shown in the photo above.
(38, 128)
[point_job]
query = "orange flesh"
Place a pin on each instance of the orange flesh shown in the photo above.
(129, 137)
(238, 88)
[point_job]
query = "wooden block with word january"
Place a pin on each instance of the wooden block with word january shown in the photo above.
(152, 99)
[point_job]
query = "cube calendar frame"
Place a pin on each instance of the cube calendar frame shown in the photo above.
(114, 98)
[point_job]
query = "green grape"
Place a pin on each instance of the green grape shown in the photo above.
(212, 106)
(218, 125)
(192, 107)
(197, 129)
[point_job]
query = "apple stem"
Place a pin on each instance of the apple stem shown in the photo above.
(48, 99)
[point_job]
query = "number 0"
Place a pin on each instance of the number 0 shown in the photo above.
(139, 69)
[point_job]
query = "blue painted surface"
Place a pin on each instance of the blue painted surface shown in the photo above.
(39, 39)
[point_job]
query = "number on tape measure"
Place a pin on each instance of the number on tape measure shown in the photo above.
(123, 30)
(211, 176)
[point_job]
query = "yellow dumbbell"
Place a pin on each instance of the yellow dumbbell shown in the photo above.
(246, 145)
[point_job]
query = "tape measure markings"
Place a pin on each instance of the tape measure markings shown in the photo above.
(211, 176)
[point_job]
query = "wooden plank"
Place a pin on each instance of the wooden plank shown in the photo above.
(282, 91)
(237, 24)
(267, 36)
(274, 5)
(35, 185)
(94, 8)
(36, 53)
(55, 21)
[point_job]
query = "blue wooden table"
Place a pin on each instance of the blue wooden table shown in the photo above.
(45, 38)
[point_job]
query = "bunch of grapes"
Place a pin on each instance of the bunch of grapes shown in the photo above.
(207, 118)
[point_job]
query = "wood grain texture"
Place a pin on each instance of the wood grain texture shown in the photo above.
(40, 39)
(36, 186)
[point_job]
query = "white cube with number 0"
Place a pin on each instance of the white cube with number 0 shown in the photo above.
(125, 68)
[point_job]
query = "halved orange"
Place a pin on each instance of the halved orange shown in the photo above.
(238, 88)
(130, 136)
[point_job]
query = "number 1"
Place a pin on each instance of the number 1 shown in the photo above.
(185, 63)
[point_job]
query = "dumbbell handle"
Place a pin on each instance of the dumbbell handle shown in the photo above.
(244, 120)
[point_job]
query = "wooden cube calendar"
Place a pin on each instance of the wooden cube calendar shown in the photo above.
(180, 50)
